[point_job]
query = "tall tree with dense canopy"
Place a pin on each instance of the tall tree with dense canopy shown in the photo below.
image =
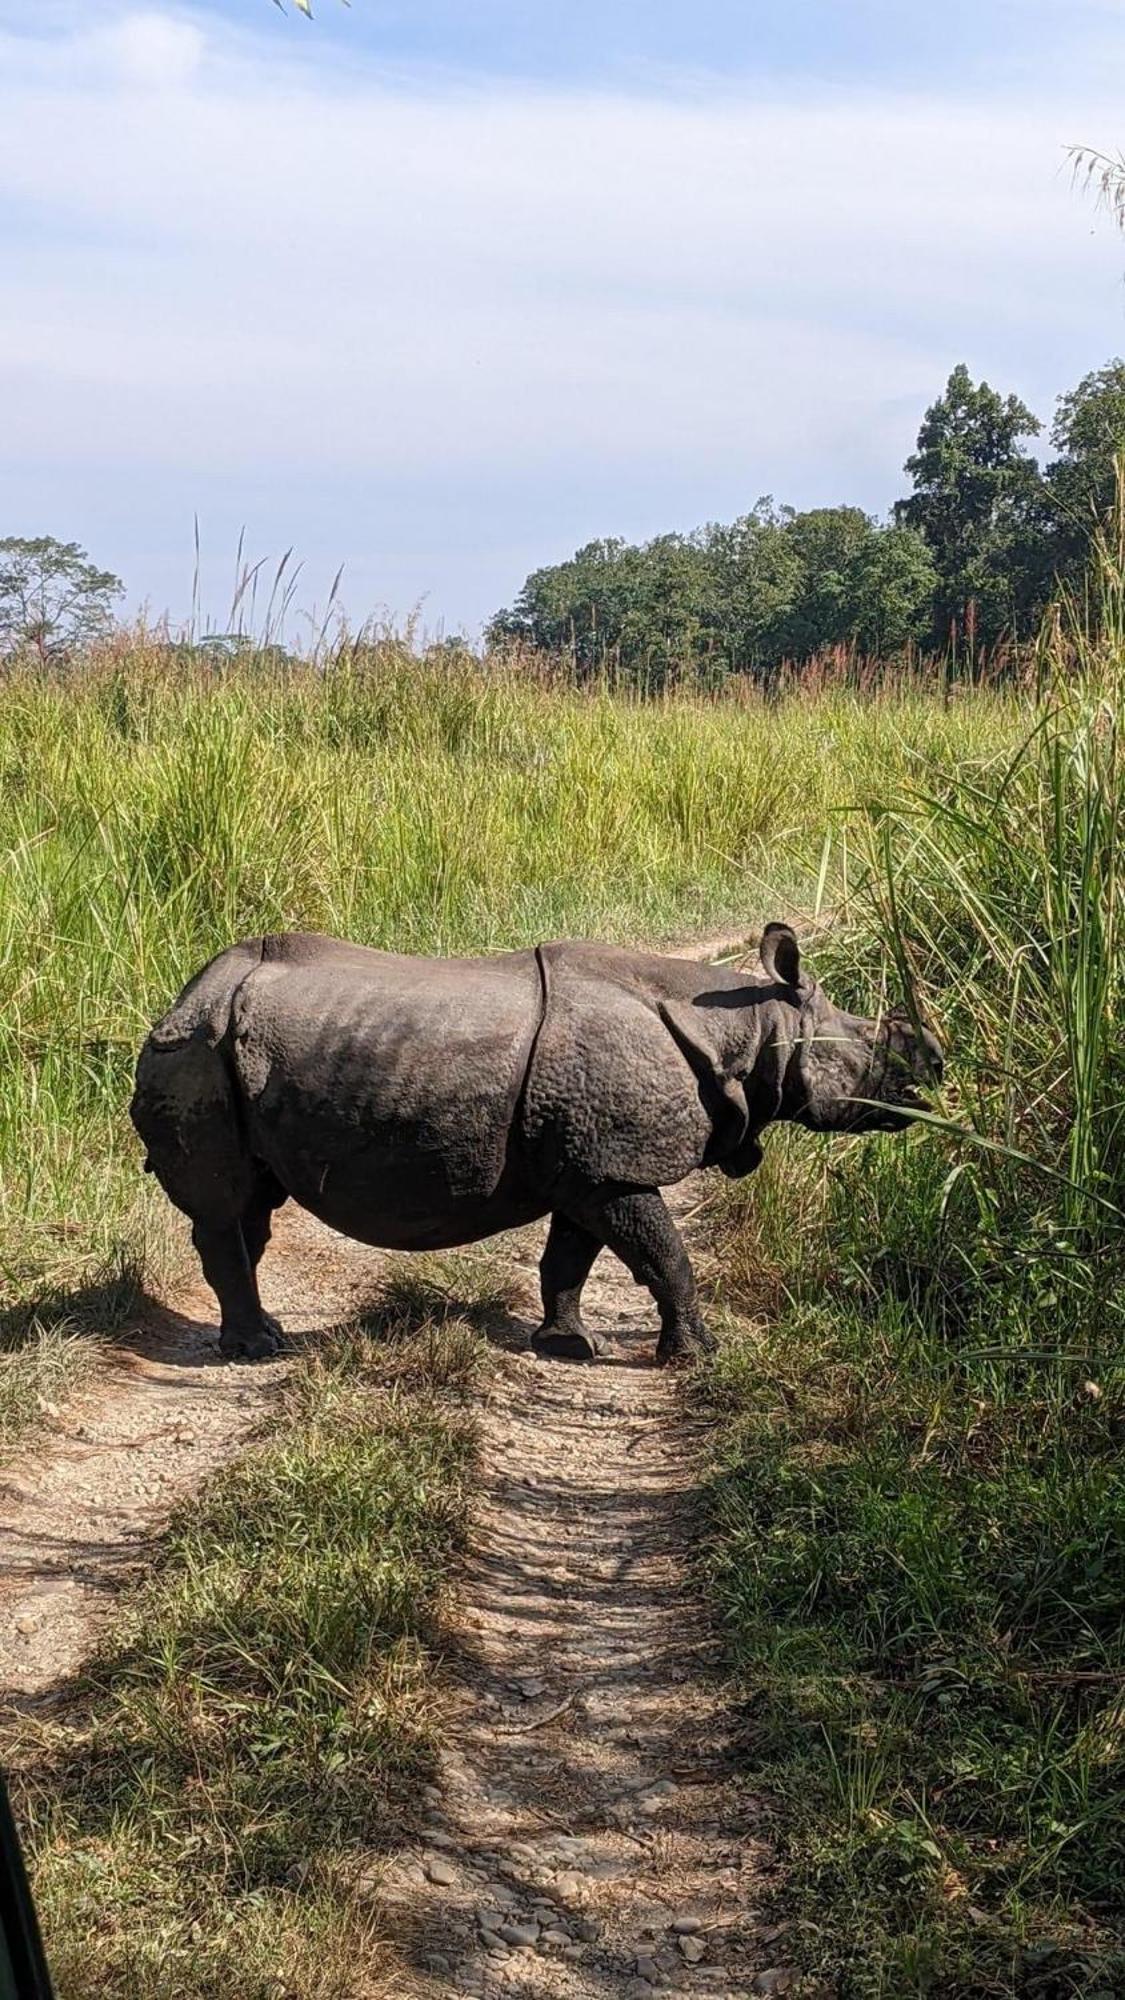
(1089, 435)
(977, 501)
(894, 582)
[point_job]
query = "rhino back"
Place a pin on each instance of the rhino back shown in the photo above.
(368, 1076)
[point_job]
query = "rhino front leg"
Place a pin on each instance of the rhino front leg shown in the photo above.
(246, 1332)
(563, 1270)
(636, 1226)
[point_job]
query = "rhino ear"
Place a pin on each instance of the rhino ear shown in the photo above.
(781, 954)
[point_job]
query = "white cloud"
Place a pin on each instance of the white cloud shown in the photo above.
(222, 268)
(155, 49)
(65, 46)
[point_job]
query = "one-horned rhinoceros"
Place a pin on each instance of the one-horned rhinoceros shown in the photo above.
(419, 1103)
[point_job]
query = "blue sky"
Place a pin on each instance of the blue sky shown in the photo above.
(980, 43)
(440, 291)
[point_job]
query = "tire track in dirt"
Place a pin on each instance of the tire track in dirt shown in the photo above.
(81, 1508)
(590, 1836)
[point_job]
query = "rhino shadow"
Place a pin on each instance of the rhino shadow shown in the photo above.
(98, 1308)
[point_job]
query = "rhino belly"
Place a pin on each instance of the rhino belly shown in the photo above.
(374, 1208)
(384, 1101)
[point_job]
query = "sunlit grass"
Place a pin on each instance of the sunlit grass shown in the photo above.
(152, 811)
(919, 1503)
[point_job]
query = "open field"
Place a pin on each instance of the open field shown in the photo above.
(916, 1504)
(150, 814)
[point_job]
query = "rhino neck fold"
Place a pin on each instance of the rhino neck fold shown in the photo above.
(765, 1056)
(789, 1055)
(523, 1073)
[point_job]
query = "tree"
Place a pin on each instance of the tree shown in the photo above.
(827, 542)
(977, 501)
(1089, 435)
(574, 607)
(861, 585)
(894, 583)
(52, 599)
(754, 578)
(771, 586)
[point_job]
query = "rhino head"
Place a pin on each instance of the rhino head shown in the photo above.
(845, 1073)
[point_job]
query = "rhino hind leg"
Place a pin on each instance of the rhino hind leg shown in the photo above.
(247, 1333)
(257, 1216)
(185, 1111)
(635, 1224)
(255, 1224)
(567, 1261)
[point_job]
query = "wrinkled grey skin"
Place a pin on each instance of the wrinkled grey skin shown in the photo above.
(420, 1103)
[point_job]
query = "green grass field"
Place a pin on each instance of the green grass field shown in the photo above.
(917, 1503)
(151, 813)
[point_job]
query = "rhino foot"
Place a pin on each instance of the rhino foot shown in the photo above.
(566, 1343)
(681, 1349)
(253, 1343)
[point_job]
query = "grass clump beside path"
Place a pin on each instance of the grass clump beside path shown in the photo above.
(206, 1817)
(918, 1505)
(153, 810)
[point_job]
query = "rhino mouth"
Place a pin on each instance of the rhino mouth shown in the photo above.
(880, 1085)
(896, 1103)
(862, 1114)
(877, 1104)
(890, 1113)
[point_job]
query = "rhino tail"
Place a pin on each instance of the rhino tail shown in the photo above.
(204, 1007)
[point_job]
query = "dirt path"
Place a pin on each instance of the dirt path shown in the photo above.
(81, 1508)
(590, 1837)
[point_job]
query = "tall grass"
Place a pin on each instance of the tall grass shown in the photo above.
(152, 810)
(920, 1503)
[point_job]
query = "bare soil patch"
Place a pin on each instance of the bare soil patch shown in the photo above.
(82, 1507)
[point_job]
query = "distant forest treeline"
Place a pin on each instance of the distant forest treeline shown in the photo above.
(966, 563)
